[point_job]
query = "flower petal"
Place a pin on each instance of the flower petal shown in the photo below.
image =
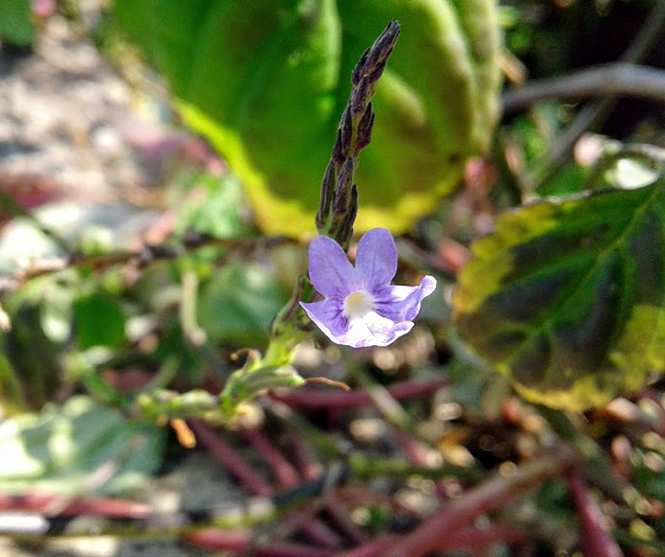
(327, 315)
(402, 303)
(330, 271)
(376, 260)
(373, 330)
(370, 330)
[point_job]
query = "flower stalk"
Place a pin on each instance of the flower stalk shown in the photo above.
(335, 218)
(338, 206)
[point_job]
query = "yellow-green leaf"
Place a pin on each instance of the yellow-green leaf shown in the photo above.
(568, 298)
(266, 81)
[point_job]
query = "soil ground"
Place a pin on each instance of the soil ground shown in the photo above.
(64, 114)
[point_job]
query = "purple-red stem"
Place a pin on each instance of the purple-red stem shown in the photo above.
(220, 540)
(116, 508)
(308, 398)
(596, 540)
(292, 550)
(468, 538)
(300, 453)
(284, 471)
(224, 454)
(319, 532)
(374, 548)
(415, 451)
(490, 495)
(477, 538)
(339, 516)
(230, 459)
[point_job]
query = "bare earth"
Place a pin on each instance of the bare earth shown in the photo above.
(63, 111)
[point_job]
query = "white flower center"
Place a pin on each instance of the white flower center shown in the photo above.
(358, 304)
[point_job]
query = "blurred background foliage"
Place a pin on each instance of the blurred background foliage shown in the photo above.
(16, 23)
(161, 286)
(266, 83)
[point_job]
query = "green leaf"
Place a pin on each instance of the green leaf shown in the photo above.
(16, 22)
(61, 449)
(100, 321)
(32, 356)
(568, 299)
(11, 395)
(266, 81)
(239, 303)
(217, 210)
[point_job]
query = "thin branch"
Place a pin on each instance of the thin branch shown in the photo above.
(243, 541)
(596, 541)
(143, 257)
(490, 495)
(230, 459)
(284, 471)
(620, 79)
(593, 115)
(341, 519)
(335, 399)
(40, 502)
(373, 548)
(319, 532)
(467, 538)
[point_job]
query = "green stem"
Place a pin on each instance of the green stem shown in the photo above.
(363, 467)
(94, 384)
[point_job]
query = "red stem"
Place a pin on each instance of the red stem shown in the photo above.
(490, 495)
(301, 455)
(375, 548)
(468, 538)
(309, 398)
(415, 451)
(314, 529)
(305, 522)
(242, 541)
(339, 516)
(292, 550)
(596, 541)
(115, 508)
(219, 539)
(284, 471)
(229, 458)
(319, 532)
(476, 538)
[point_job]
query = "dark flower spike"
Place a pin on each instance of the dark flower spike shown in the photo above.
(327, 192)
(338, 207)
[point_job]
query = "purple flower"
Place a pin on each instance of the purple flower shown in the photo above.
(361, 308)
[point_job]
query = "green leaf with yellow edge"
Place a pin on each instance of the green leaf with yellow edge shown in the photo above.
(568, 298)
(266, 81)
